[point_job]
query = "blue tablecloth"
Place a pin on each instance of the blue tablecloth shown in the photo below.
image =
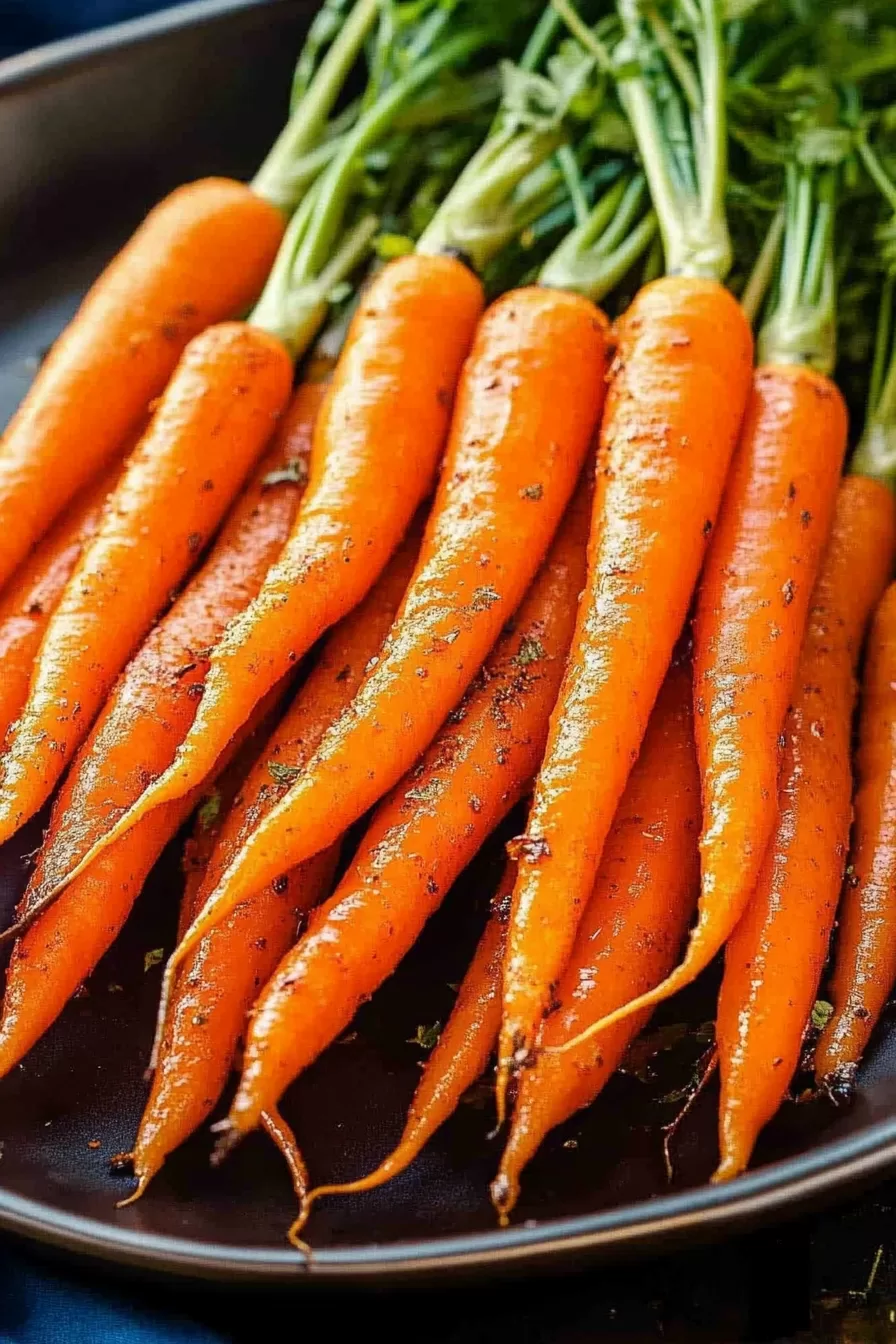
(39, 1305)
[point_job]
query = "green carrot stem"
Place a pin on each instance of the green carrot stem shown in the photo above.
(875, 454)
(304, 130)
(337, 183)
(678, 118)
(598, 253)
(802, 326)
(763, 271)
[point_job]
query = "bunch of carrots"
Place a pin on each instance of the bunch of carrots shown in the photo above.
(493, 550)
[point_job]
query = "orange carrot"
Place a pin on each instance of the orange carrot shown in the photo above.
(218, 984)
(136, 736)
(31, 596)
(865, 964)
(527, 405)
(459, 1057)
(759, 574)
(216, 415)
(65, 943)
(421, 837)
(376, 445)
(631, 932)
(199, 257)
(673, 412)
(154, 702)
(776, 955)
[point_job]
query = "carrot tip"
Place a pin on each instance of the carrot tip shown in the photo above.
(142, 1183)
(504, 1192)
(229, 1137)
(295, 1240)
(839, 1085)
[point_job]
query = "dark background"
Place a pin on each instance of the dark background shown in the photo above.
(830, 1278)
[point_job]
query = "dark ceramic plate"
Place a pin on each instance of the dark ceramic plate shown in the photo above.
(91, 132)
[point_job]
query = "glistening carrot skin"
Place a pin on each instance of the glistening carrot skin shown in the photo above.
(376, 445)
(774, 960)
(217, 985)
(154, 701)
(527, 406)
(460, 1056)
(135, 738)
(215, 417)
(31, 596)
(200, 256)
(65, 943)
(751, 614)
(631, 932)
(674, 407)
(421, 837)
(865, 962)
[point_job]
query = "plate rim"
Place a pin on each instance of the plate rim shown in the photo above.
(786, 1186)
(693, 1214)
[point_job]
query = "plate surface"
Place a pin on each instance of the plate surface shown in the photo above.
(91, 132)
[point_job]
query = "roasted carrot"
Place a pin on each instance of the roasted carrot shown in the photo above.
(217, 985)
(154, 702)
(774, 960)
(274, 628)
(459, 1057)
(137, 734)
(674, 408)
(377, 441)
(865, 960)
(31, 596)
(757, 582)
(201, 256)
(865, 963)
(65, 943)
(421, 837)
(631, 932)
(214, 419)
(510, 466)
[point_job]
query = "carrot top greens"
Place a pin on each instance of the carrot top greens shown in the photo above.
(875, 454)
(670, 67)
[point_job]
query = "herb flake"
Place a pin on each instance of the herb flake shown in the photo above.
(427, 1037)
(152, 958)
(283, 774)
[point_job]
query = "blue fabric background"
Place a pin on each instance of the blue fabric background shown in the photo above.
(26, 23)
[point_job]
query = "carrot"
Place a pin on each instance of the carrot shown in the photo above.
(459, 1057)
(760, 570)
(154, 702)
(60, 948)
(137, 733)
(632, 930)
(219, 982)
(510, 466)
(171, 497)
(202, 255)
(31, 596)
(865, 963)
(674, 407)
(397, 317)
(421, 837)
(865, 960)
(377, 440)
(775, 958)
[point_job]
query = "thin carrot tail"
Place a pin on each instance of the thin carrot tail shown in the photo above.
(683, 975)
(143, 1180)
(393, 1165)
